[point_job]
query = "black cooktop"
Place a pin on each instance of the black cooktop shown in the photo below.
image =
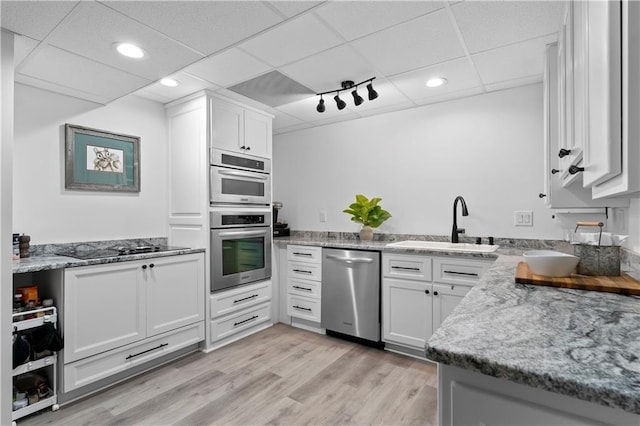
(85, 254)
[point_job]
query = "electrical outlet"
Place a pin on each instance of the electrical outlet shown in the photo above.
(323, 216)
(523, 218)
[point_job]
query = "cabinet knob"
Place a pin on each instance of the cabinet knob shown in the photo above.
(144, 266)
(541, 195)
(564, 152)
(575, 169)
(554, 171)
(152, 265)
(248, 148)
(435, 293)
(243, 147)
(426, 291)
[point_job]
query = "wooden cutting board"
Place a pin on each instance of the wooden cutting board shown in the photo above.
(624, 284)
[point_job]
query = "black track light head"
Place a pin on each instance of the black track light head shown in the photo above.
(357, 99)
(339, 102)
(320, 107)
(372, 93)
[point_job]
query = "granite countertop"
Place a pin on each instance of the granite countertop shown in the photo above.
(584, 344)
(46, 262)
(355, 244)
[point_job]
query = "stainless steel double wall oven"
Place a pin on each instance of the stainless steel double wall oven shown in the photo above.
(240, 219)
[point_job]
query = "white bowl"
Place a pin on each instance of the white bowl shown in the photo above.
(551, 263)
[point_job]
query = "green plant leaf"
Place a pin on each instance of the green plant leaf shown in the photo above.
(367, 212)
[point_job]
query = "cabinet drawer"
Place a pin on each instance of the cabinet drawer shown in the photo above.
(305, 253)
(238, 321)
(406, 266)
(306, 288)
(94, 368)
(307, 271)
(226, 302)
(303, 307)
(458, 271)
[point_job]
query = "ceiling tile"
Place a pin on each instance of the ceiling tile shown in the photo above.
(228, 68)
(65, 90)
(387, 108)
(92, 31)
(354, 19)
(508, 84)
(34, 19)
(207, 26)
(321, 72)
(293, 8)
(188, 85)
(459, 74)
(448, 96)
(283, 120)
(490, 24)
(425, 41)
(293, 40)
(22, 47)
(68, 70)
(513, 61)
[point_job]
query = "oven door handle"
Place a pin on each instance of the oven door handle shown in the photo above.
(242, 174)
(242, 233)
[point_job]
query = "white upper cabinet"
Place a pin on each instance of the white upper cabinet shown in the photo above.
(555, 195)
(627, 123)
(603, 38)
(238, 129)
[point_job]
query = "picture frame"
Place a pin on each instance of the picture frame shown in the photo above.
(99, 160)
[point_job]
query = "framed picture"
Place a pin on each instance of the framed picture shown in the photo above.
(97, 160)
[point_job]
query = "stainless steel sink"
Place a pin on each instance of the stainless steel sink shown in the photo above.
(445, 246)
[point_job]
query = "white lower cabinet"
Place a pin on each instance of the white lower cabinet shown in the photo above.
(239, 312)
(419, 292)
(304, 286)
(124, 306)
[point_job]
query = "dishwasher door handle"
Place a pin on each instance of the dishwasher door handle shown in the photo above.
(350, 259)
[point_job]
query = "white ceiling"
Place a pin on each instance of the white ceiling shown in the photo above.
(478, 46)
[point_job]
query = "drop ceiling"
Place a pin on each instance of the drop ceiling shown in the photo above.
(478, 46)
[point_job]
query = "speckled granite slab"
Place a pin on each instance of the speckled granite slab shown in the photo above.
(44, 257)
(578, 343)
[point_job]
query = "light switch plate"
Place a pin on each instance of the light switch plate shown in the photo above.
(523, 218)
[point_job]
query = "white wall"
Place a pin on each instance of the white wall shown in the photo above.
(43, 208)
(487, 148)
(634, 226)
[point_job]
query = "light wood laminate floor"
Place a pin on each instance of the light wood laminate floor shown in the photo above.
(281, 375)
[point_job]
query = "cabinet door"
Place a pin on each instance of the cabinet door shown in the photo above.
(104, 308)
(257, 134)
(227, 129)
(604, 146)
(175, 292)
(445, 299)
(406, 312)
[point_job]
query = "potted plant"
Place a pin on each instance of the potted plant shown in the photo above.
(368, 213)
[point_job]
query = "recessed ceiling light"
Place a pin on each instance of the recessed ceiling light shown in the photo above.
(130, 50)
(169, 82)
(436, 82)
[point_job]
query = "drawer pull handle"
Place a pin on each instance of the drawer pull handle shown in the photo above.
(297, 253)
(302, 288)
(235, 324)
(302, 308)
(404, 268)
(160, 346)
(245, 298)
(302, 271)
(469, 274)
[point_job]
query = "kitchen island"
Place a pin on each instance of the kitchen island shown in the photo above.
(523, 354)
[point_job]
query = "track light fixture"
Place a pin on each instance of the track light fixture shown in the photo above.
(348, 85)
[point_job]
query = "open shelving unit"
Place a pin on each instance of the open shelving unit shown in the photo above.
(46, 315)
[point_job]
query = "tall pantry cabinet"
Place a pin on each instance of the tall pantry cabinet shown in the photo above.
(196, 124)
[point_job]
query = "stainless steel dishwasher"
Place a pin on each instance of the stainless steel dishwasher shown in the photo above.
(351, 293)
